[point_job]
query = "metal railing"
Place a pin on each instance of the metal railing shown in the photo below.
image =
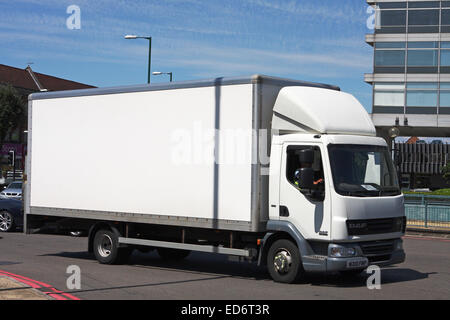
(426, 211)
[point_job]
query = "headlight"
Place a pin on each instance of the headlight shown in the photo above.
(340, 252)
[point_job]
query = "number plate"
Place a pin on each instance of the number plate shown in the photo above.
(357, 263)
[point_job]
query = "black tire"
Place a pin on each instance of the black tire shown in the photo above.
(7, 223)
(351, 273)
(172, 254)
(284, 262)
(106, 248)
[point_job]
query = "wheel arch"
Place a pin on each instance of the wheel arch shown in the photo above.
(103, 225)
(282, 230)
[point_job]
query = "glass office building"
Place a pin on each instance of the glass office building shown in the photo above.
(411, 67)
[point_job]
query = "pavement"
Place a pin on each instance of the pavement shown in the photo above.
(17, 287)
(41, 260)
(11, 289)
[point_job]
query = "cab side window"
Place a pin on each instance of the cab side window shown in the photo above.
(294, 164)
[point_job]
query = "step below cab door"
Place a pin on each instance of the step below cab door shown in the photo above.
(309, 210)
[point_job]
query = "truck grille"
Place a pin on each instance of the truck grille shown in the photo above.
(375, 226)
(377, 251)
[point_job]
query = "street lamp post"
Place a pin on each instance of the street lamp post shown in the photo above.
(132, 37)
(158, 73)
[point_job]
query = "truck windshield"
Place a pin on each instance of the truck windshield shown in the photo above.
(363, 170)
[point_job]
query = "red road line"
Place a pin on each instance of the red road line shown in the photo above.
(57, 294)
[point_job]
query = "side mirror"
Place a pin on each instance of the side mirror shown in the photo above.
(305, 155)
(306, 180)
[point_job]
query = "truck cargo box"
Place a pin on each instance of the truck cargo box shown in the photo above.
(185, 154)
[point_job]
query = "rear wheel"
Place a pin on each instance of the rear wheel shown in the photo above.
(284, 262)
(172, 254)
(7, 222)
(106, 248)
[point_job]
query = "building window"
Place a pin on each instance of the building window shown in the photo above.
(444, 96)
(392, 18)
(423, 17)
(390, 45)
(389, 58)
(392, 5)
(423, 45)
(445, 57)
(445, 17)
(423, 21)
(391, 21)
(389, 97)
(421, 98)
(423, 58)
(424, 4)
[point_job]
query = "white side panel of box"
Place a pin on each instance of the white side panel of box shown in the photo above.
(145, 152)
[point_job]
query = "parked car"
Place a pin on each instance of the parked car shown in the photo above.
(11, 214)
(13, 190)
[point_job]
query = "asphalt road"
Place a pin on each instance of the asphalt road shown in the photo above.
(424, 275)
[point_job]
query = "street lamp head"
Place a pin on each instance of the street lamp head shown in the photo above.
(157, 73)
(394, 132)
(130, 36)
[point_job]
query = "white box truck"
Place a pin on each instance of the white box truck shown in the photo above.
(286, 173)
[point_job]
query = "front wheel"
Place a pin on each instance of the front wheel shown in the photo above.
(7, 222)
(284, 262)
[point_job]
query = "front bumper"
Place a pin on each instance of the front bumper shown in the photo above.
(342, 264)
(379, 253)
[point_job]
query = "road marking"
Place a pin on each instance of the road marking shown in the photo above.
(41, 286)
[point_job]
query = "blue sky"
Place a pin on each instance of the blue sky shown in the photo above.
(310, 40)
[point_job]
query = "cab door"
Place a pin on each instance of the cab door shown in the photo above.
(308, 210)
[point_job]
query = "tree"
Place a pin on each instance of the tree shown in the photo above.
(446, 172)
(12, 111)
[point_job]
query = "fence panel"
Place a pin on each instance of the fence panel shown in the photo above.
(424, 211)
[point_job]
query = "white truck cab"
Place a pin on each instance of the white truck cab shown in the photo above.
(352, 213)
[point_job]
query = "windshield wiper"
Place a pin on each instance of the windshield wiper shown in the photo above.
(390, 191)
(361, 193)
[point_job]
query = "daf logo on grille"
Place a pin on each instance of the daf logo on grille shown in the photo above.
(357, 225)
